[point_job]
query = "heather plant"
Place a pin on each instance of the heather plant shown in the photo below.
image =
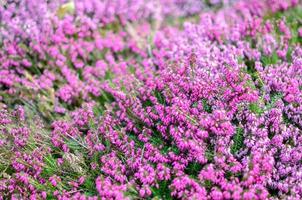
(164, 99)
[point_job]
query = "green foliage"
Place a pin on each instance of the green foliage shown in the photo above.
(255, 108)
(147, 103)
(193, 169)
(157, 138)
(206, 106)
(98, 110)
(50, 168)
(170, 148)
(208, 184)
(162, 191)
(251, 70)
(285, 119)
(160, 97)
(132, 69)
(74, 145)
(89, 186)
(238, 141)
(106, 97)
(250, 65)
(274, 98)
(109, 75)
(133, 137)
(269, 60)
(210, 153)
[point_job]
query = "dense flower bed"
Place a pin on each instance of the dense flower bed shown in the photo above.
(163, 99)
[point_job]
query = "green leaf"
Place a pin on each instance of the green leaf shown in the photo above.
(163, 191)
(238, 140)
(206, 106)
(193, 169)
(160, 97)
(255, 108)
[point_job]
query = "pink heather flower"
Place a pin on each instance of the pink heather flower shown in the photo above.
(146, 174)
(300, 32)
(145, 191)
(60, 161)
(207, 109)
(184, 187)
(53, 181)
(44, 194)
(107, 189)
(81, 180)
(216, 195)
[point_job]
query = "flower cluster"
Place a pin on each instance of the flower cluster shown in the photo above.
(166, 99)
